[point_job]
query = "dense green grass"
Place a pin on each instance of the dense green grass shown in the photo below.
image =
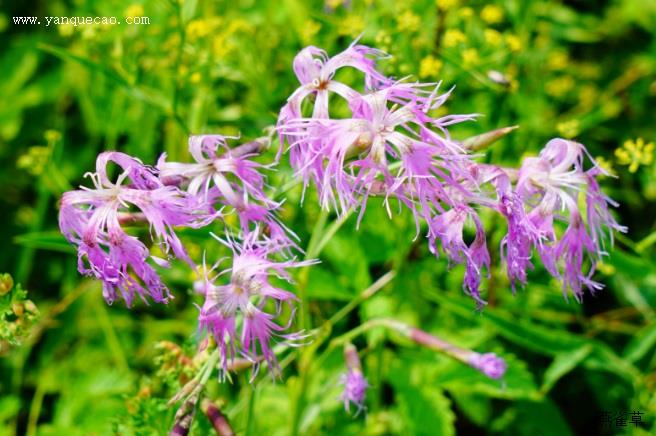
(579, 69)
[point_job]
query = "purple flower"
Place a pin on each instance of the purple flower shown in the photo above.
(347, 158)
(219, 177)
(489, 364)
(91, 219)
(517, 245)
(315, 71)
(448, 227)
(550, 187)
(247, 294)
(355, 388)
(355, 385)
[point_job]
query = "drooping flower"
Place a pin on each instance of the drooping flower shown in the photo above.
(246, 296)
(448, 227)
(91, 219)
(355, 384)
(521, 237)
(551, 187)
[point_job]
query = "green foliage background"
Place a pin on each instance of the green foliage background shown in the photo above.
(580, 69)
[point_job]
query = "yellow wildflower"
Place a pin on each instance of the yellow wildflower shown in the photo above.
(198, 29)
(309, 31)
(66, 29)
(635, 153)
(492, 14)
(560, 86)
(470, 57)
(383, 37)
(35, 160)
(569, 129)
(466, 12)
(453, 37)
(611, 108)
(558, 61)
(588, 70)
(334, 4)
(492, 37)
(408, 22)
(588, 96)
(429, 67)
(352, 26)
(605, 164)
(220, 46)
(89, 32)
(421, 42)
(447, 4)
(514, 42)
(134, 10)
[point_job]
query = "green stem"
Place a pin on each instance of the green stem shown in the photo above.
(367, 293)
(27, 254)
(110, 334)
(311, 252)
(35, 410)
(251, 410)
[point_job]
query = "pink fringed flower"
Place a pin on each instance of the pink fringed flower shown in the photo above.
(247, 295)
(91, 219)
(349, 159)
(448, 229)
(315, 71)
(218, 177)
(550, 186)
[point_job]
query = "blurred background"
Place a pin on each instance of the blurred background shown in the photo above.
(71, 364)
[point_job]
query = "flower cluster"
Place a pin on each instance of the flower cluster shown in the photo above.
(174, 195)
(92, 219)
(391, 146)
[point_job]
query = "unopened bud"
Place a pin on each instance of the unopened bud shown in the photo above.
(6, 283)
(481, 141)
(31, 307)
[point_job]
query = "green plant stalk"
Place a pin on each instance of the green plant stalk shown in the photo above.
(35, 410)
(110, 333)
(307, 361)
(26, 257)
(251, 412)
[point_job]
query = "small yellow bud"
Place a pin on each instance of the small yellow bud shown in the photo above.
(492, 14)
(429, 67)
(492, 37)
(6, 284)
(447, 4)
(470, 57)
(635, 153)
(453, 37)
(514, 43)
